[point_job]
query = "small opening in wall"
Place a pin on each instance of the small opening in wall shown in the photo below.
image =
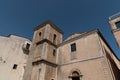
(15, 66)
(54, 38)
(40, 34)
(54, 52)
(27, 46)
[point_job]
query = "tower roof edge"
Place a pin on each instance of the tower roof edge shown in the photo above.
(50, 23)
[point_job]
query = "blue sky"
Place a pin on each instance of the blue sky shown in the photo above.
(20, 17)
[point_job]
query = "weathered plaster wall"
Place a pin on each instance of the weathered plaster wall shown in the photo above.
(11, 53)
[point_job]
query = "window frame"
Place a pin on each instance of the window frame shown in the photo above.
(73, 47)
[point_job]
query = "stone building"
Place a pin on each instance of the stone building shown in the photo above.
(13, 57)
(82, 56)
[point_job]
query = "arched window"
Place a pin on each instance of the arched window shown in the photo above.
(75, 74)
(54, 38)
(54, 52)
(40, 34)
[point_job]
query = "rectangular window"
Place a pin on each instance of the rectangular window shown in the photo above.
(117, 24)
(73, 47)
(15, 66)
(40, 34)
(54, 52)
(27, 46)
(54, 38)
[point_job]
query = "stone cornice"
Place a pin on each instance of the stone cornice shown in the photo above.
(82, 60)
(44, 61)
(46, 40)
(50, 23)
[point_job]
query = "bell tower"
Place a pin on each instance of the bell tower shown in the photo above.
(46, 38)
(114, 22)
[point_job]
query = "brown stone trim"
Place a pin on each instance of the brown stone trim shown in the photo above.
(52, 25)
(44, 61)
(46, 40)
(82, 60)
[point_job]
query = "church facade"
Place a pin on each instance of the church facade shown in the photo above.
(82, 56)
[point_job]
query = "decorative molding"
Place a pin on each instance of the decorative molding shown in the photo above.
(81, 60)
(46, 40)
(75, 69)
(45, 62)
(50, 23)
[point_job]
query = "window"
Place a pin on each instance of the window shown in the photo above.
(15, 66)
(27, 46)
(117, 24)
(54, 52)
(75, 76)
(54, 38)
(40, 34)
(73, 47)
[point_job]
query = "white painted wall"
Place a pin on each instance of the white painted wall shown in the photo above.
(11, 53)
